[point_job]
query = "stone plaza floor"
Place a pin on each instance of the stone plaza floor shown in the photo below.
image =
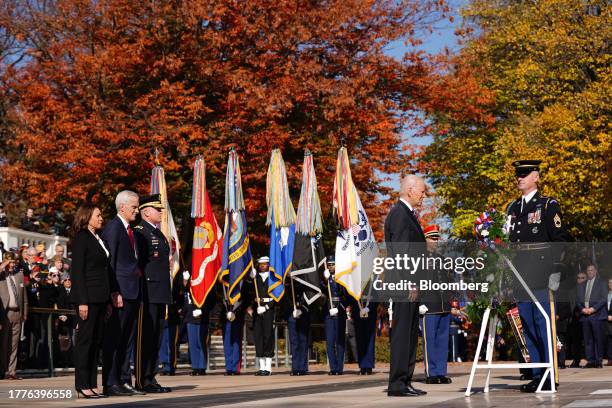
(579, 388)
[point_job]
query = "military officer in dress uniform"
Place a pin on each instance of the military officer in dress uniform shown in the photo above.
(298, 324)
(232, 318)
(535, 221)
(168, 350)
(335, 320)
(364, 316)
(263, 319)
(154, 261)
(435, 322)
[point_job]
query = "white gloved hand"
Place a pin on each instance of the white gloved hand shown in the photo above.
(63, 318)
(553, 281)
(423, 309)
(196, 312)
(253, 274)
(186, 275)
(297, 313)
(261, 310)
(333, 311)
(363, 313)
(326, 274)
(230, 316)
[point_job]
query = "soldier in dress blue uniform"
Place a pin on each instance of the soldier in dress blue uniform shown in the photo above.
(197, 320)
(298, 324)
(168, 350)
(233, 331)
(263, 318)
(365, 332)
(435, 323)
(154, 261)
(535, 220)
(335, 320)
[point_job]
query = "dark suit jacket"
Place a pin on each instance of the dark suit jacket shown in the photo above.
(124, 264)
(598, 299)
(92, 280)
(609, 322)
(403, 235)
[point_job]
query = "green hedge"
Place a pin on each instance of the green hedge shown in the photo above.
(381, 349)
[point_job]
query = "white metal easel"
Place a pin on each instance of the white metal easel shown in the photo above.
(548, 373)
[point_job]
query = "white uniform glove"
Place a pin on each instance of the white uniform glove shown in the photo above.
(363, 313)
(261, 310)
(186, 275)
(297, 313)
(423, 309)
(63, 318)
(333, 311)
(553, 281)
(230, 316)
(196, 312)
(253, 274)
(326, 274)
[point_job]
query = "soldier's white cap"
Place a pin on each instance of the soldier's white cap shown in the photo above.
(263, 259)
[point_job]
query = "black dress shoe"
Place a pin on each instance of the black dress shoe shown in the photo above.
(117, 391)
(162, 388)
(194, 372)
(259, 373)
(526, 377)
(266, 373)
(202, 371)
(134, 390)
(432, 380)
(575, 364)
(402, 393)
(362, 371)
(444, 379)
(294, 373)
(152, 389)
(590, 365)
(530, 386)
(599, 365)
(410, 388)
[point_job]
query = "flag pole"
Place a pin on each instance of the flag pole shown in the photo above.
(293, 296)
(256, 291)
(331, 303)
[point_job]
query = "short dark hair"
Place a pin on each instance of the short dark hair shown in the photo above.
(82, 217)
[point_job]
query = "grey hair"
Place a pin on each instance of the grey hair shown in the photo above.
(123, 197)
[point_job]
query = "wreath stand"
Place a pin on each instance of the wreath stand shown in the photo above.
(488, 365)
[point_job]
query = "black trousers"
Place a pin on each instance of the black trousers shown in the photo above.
(148, 339)
(89, 336)
(595, 333)
(263, 331)
(404, 342)
(119, 343)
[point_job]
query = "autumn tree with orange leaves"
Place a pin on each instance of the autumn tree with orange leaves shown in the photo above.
(92, 87)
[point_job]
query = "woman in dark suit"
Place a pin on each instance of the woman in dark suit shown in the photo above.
(92, 285)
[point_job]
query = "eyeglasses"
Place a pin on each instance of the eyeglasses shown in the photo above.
(53, 275)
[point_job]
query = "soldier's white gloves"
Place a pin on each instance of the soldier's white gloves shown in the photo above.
(63, 318)
(261, 310)
(553, 281)
(253, 274)
(333, 311)
(363, 313)
(297, 313)
(326, 274)
(230, 316)
(186, 275)
(196, 313)
(423, 309)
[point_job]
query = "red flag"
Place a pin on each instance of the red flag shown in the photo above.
(206, 254)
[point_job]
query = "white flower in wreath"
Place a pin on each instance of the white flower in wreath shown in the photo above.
(485, 233)
(490, 277)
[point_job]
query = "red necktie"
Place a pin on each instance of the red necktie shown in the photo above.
(131, 235)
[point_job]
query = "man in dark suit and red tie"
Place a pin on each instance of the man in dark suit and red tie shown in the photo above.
(592, 304)
(403, 235)
(121, 327)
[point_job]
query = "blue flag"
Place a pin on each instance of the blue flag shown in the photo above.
(236, 260)
(281, 254)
